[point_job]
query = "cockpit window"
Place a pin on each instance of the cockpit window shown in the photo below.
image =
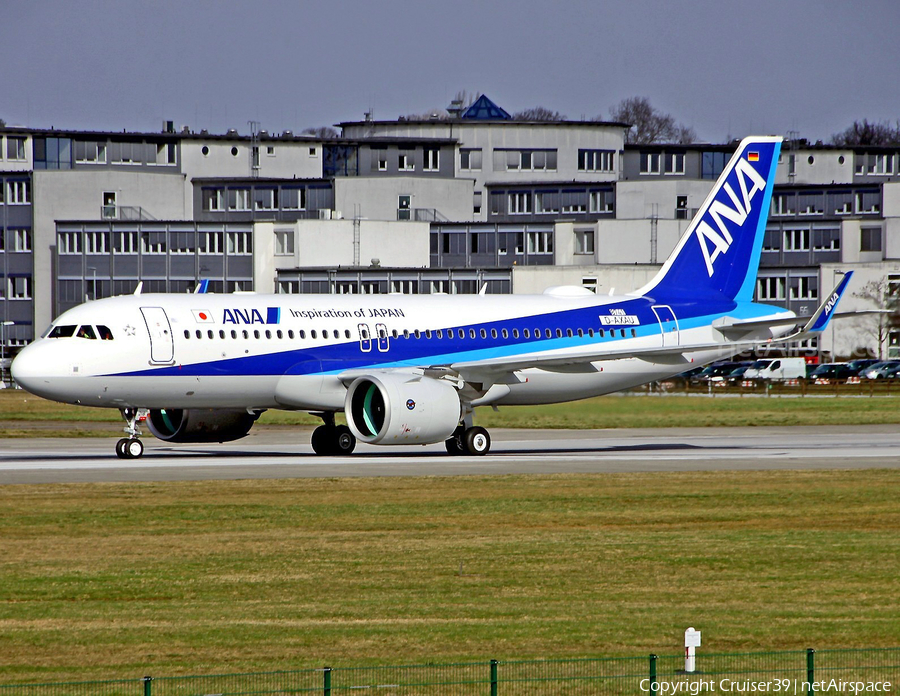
(61, 332)
(86, 331)
(105, 333)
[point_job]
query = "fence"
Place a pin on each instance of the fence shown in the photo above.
(785, 672)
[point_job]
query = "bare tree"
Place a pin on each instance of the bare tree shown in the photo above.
(865, 133)
(884, 296)
(538, 113)
(649, 125)
(321, 132)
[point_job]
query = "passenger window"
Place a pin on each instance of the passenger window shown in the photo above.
(602, 333)
(483, 333)
(245, 333)
(591, 333)
(427, 333)
(417, 334)
(633, 333)
(210, 334)
(471, 333)
(279, 334)
(312, 333)
(580, 333)
(325, 333)
(256, 333)
(346, 333)
(516, 333)
(187, 334)
(394, 333)
(199, 334)
(221, 334)
(461, 333)
(527, 333)
(105, 333)
(548, 333)
(86, 332)
(302, 333)
(505, 333)
(440, 333)
(405, 333)
(291, 334)
(569, 333)
(268, 334)
(493, 333)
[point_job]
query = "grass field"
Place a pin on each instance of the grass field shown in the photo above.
(24, 415)
(122, 580)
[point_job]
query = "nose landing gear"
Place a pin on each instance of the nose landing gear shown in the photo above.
(130, 447)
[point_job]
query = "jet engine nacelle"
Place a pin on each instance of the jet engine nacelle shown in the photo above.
(200, 425)
(402, 409)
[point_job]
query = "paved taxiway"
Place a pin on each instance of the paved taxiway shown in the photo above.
(287, 454)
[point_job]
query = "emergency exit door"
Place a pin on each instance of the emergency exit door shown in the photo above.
(162, 346)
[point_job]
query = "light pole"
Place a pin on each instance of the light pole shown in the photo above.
(834, 274)
(3, 325)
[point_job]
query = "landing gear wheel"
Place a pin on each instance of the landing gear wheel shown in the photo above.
(344, 440)
(134, 449)
(129, 448)
(329, 440)
(477, 441)
(321, 442)
(453, 446)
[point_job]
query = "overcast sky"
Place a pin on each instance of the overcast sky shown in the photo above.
(725, 68)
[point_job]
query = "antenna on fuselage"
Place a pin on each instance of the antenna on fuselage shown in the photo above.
(140, 286)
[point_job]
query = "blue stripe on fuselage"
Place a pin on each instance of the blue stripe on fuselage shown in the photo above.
(405, 352)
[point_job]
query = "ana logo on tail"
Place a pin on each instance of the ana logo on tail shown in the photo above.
(750, 182)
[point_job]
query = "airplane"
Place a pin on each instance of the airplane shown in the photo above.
(411, 369)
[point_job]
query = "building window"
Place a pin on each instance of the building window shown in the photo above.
(127, 153)
(432, 159)
(804, 288)
(584, 241)
(405, 162)
(68, 243)
(15, 149)
(870, 239)
(213, 200)
(470, 159)
(772, 239)
(876, 165)
(826, 239)
(239, 199)
(596, 160)
(712, 164)
(21, 239)
(108, 209)
(546, 202)
(574, 201)
(770, 289)
(796, 239)
(210, 242)
(165, 153)
(153, 242)
(125, 242)
(811, 203)
(379, 159)
(476, 203)
(18, 192)
(293, 199)
(783, 204)
(239, 243)
(673, 163)
(525, 160)
(96, 242)
(540, 242)
(284, 242)
(181, 243)
(520, 203)
(868, 202)
(18, 288)
(601, 201)
(404, 204)
(650, 162)
(90, 152)
(265, 199)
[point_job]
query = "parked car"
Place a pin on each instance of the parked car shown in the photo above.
(878, 370)
(777, 369)
(859, 366)
(714, 370)
(831, 373)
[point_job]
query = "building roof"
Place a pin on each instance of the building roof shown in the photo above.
(483, 109)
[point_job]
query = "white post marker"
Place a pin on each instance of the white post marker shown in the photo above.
(691, 643)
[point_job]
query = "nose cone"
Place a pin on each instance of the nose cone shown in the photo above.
(29, 370)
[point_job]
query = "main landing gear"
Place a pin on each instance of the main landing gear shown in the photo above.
(332, 440)
(472, 440)
(130, 447)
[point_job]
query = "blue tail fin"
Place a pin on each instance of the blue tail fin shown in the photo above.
(718, 255)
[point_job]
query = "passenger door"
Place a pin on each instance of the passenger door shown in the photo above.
(162, 346)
